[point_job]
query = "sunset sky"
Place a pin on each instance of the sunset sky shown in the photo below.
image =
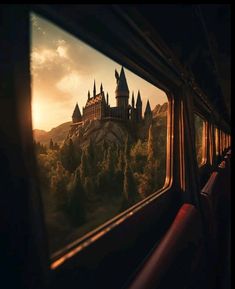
(63, 69)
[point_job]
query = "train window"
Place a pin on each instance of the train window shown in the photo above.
(222, 141)
(216, 141)
(226, 140)
(112, 154)
(211, 143)
(200, 139)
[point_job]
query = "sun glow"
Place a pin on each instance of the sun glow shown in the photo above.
(36, 114)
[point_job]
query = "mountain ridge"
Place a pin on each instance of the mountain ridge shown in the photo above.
(97, 130)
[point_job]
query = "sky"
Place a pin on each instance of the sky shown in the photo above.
(63, 69)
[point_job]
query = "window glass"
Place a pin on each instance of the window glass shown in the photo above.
(200, 127)
(100, 134)
(222, 142)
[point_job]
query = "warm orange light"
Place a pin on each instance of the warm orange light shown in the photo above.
(36, 115)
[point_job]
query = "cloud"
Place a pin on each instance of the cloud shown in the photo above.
(70, 83)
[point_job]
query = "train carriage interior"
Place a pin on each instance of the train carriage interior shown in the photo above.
(115, 146)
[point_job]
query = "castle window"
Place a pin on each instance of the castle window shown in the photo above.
(93, 171)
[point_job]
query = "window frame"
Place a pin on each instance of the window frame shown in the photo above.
(205, 139)
(161, 208)
(76, 247)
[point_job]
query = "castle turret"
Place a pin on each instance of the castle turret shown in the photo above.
(89, 95)
(122, 94)
(76, 117)
(133, 100)
(148, 113)
(138, 107)
(107, 97)
(101, 88)
(94, 90)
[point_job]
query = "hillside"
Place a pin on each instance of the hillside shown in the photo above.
(99, 130)
(57, 134)
(115, 132)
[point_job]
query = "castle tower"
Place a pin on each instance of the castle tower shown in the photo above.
(101, 88)
(148, 113)
(133, 110)
(138, 107)
(133, 100)
(76, 117)
(122, 94)
(94, 90)
(89, 95)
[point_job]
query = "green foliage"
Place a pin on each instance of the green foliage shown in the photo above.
(51, 145)
(40, 149)
(138, 155)
(150, 145)
(70, 157)
(76, 205)
(129, 188)
(88, 185)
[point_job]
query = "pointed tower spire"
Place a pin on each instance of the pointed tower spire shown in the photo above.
(94, 90)
(76, 117)
(133, 100)
(88, 95)
(101, 88)
(148, 112)
(122, 87)
(116, 76)
(107, 97)
(138, 101)
(139, 106)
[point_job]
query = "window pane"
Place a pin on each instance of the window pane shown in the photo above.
(200, 139)
(100, 134)
(217, 141)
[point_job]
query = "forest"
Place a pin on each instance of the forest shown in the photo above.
(83, 187)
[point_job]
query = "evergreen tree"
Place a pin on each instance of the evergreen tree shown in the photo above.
(59, 186)
(150, 145)
(84, 171)
(129, 188)
(51, 145)
(127, 148)
(70, 157)
(76, 207)
(149, 171)
(40, 149)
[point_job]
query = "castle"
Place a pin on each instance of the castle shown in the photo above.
(97, 107)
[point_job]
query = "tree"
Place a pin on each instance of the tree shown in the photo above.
(84, 171)
(138, 155)
(150, 145)
(51, 145)
(130, 193)
(76, 206)
(59, 187)
(70, 157)
(40, 149)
